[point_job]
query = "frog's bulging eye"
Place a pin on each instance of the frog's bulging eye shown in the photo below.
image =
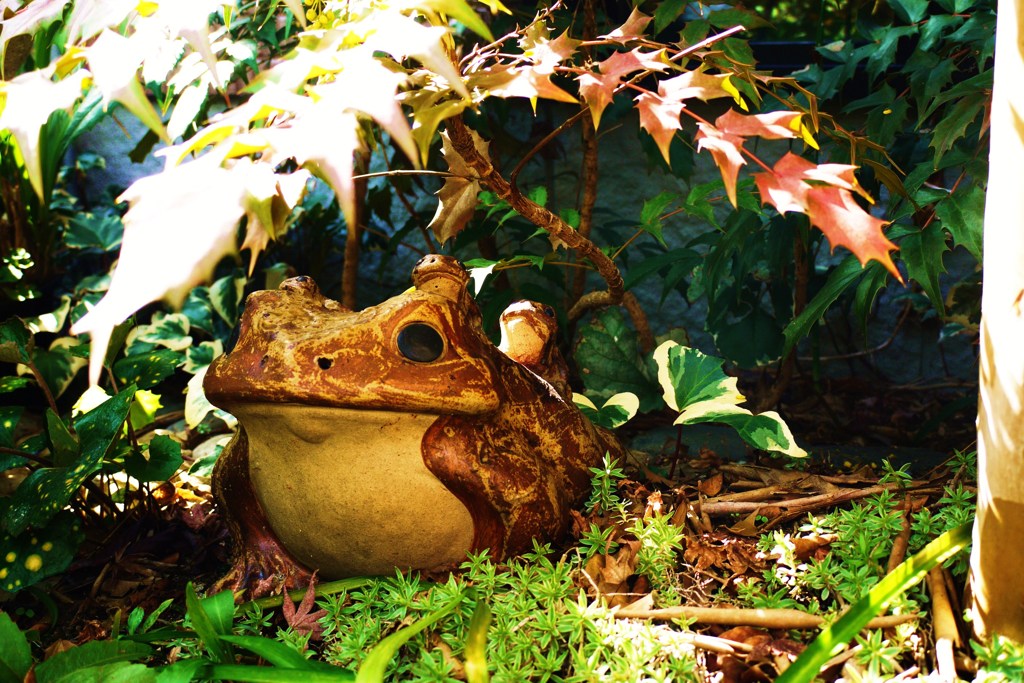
(420, 343)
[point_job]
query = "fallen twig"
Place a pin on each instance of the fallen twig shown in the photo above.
(765, 618)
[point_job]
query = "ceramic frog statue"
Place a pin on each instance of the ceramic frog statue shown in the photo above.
(398, 436)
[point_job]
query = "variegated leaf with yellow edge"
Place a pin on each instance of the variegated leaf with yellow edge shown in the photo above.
(695, 385)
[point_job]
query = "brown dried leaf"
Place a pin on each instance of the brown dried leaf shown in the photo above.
(458, 195)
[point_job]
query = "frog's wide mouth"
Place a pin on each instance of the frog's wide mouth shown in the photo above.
(317, 424)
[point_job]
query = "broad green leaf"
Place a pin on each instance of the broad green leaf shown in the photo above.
(164, 460)
(47, 490)
(900, 580)
(650, 215)
(766, 431)
(36, 554)
(963, 213)
(15, 654)
(146, 370)
(184, 671)
(245, 673)
(59, 365)
(688, 376)
(953, 124)
(683, 257)
(68, 666)
(16, 343)
(89, 231)
(610, 362)
(376, 662)
(9, 417)
(910, 11)
(841, 277)
(144, 408)
(922, 252)
(476, 644)
(282, 655)
(9, 384)
(882, 56)
(665, 13)
(615, 412)
(207, 618)
(63, 445)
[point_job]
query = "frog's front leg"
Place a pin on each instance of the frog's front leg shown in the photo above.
(260, 565)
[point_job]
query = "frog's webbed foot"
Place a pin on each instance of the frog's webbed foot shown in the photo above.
(263, 568)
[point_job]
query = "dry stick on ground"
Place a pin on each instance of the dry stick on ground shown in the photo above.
(797, 506)
(462, 142)
(943, 626)
(763, 618)
(901, 542)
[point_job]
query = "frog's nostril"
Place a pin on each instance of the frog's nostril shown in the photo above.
(324, 362)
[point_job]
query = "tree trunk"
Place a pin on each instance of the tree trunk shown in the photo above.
(998, 552)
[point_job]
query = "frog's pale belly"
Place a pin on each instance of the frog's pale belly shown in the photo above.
(347, 492)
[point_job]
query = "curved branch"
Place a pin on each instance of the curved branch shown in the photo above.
(462, 142)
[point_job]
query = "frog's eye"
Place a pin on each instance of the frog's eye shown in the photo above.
(420, 343)
(549, 312)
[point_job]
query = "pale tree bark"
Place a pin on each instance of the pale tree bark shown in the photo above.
(997, 559)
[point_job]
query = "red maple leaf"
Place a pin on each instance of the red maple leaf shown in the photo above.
(726, 151)
(830, 207)
(633, 29)
(598, 89)
(660, 118)
(776, 125)
(703, 86)
(837, 214)
(304, 620)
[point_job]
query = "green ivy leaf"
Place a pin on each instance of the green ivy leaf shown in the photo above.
(164, 460)
(695, 385)
(147, 369)
(609, 360)
(225, 297)
(89, 231)
(31, 556)
(616, 411)
(170, 331)
(688, 376)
